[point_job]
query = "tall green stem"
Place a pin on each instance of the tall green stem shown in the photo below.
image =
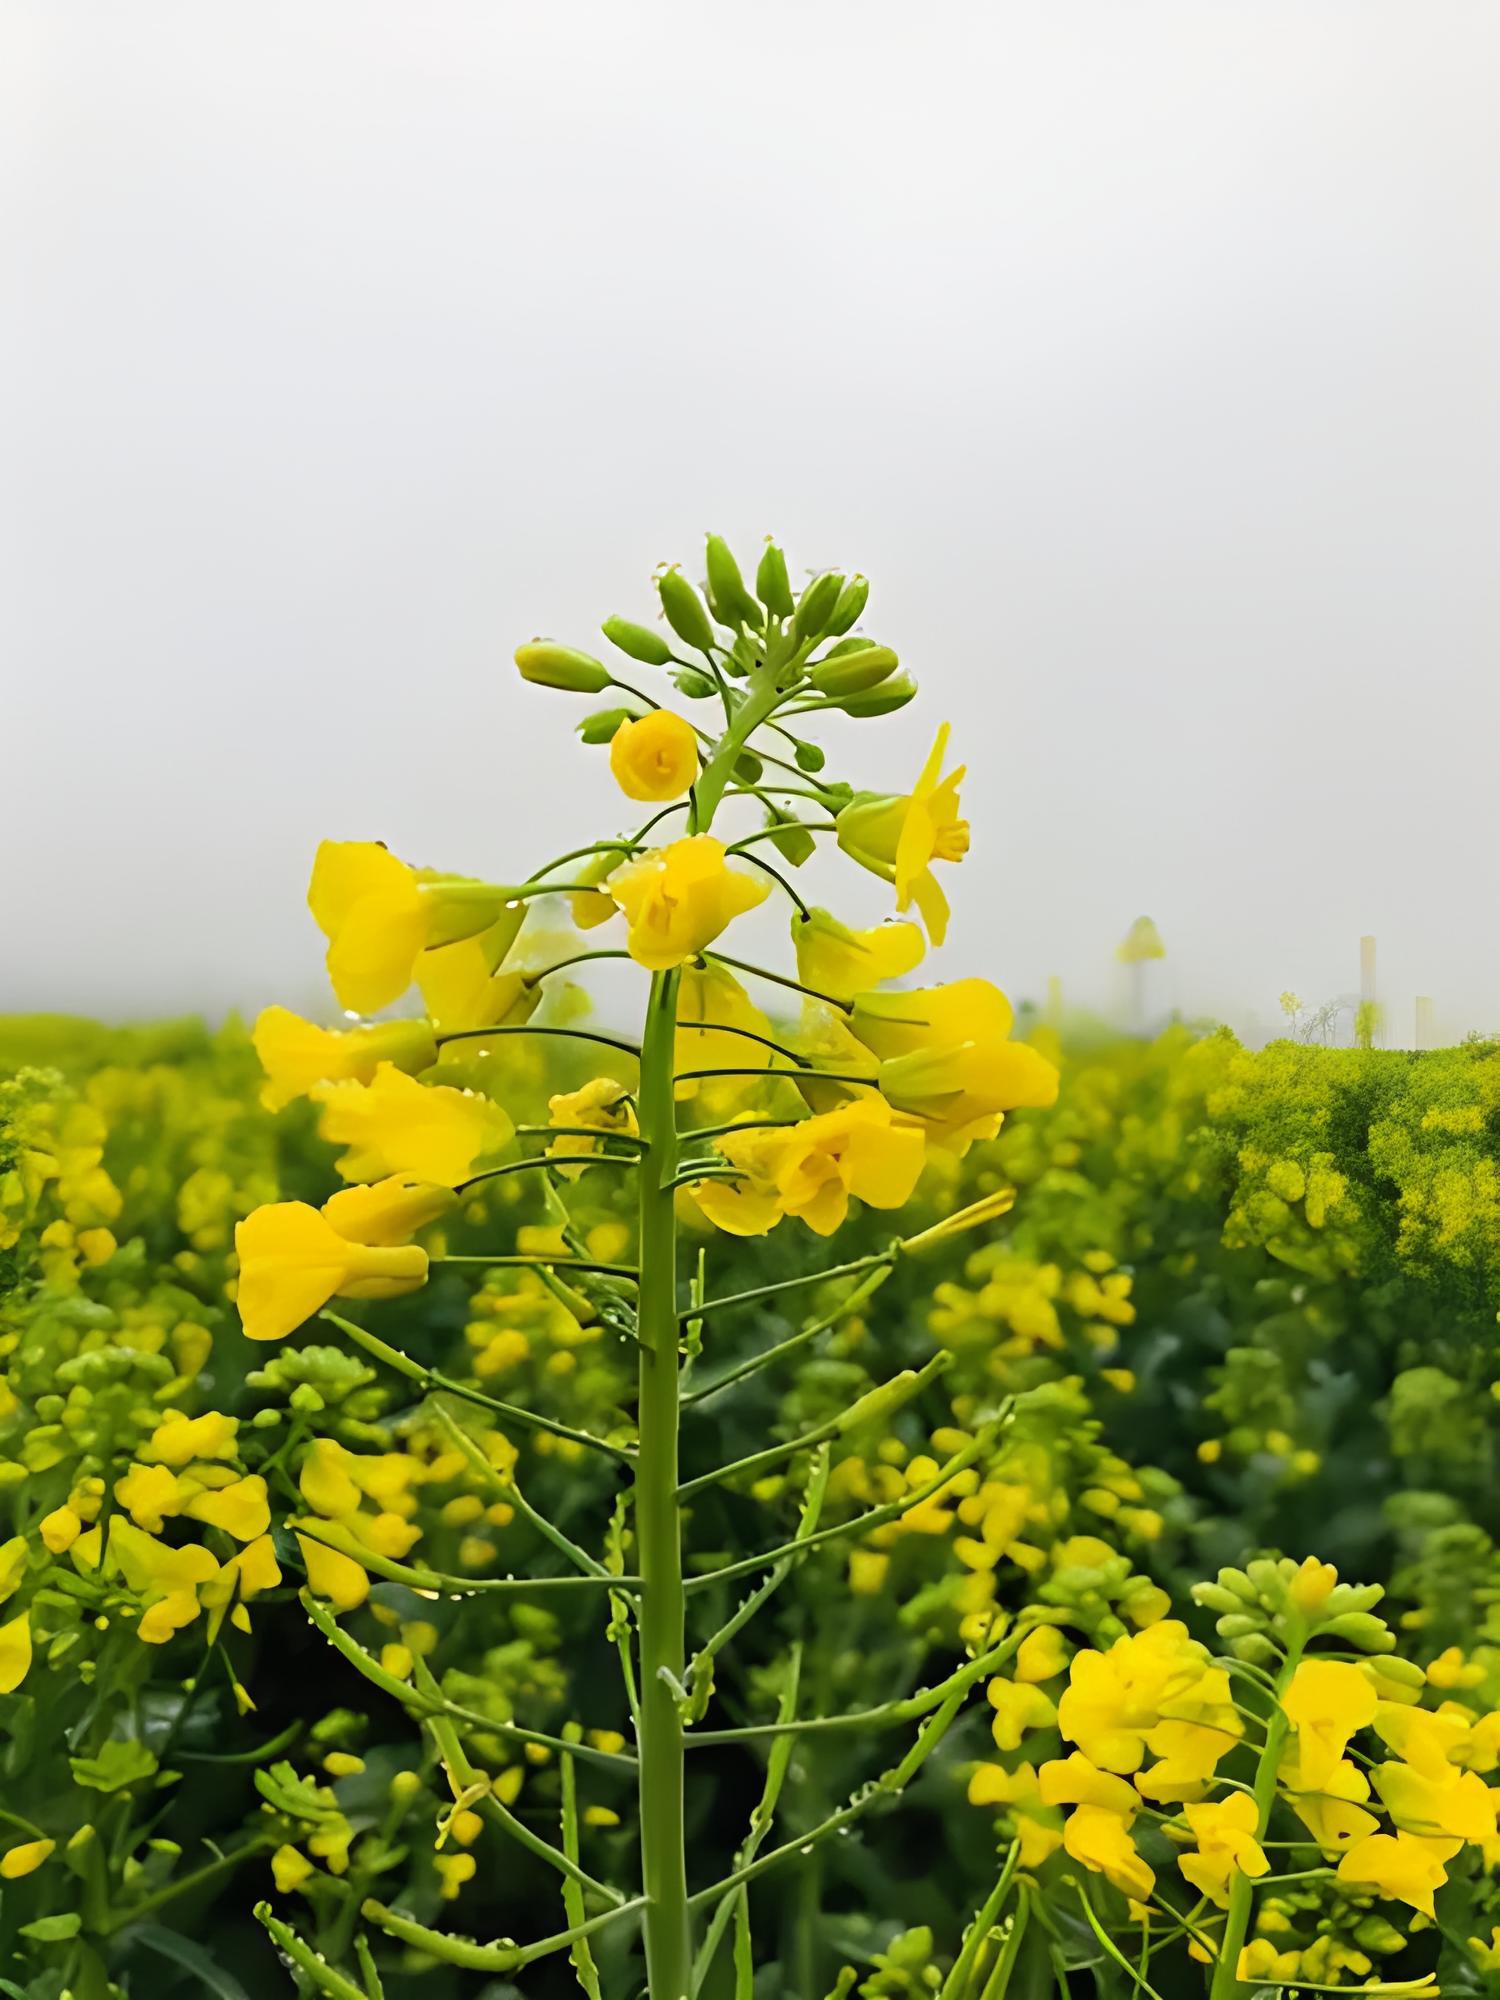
(1226, 1981)
(658, 1529)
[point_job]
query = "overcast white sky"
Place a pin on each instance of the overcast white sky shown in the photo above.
(1143, 354)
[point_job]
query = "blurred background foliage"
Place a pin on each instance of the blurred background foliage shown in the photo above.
(1252, 1298)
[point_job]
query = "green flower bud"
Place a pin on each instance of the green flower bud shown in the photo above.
(639, 641)
(862, 666)
(1214, 1597)
(728, 598)
(684, 609)
(1239, 1625)
(1255, 1650)
(1406, 1673)
(546, 665)
(1373, 1933)
(1235, 1580)
(852, 600)
(1360, 1628)
(771, 585)
(1267, 1578)
(1353, 1597)
(815, 606)
(809, 757)
(883, 700)
(600, 727)
(748, 768)
(694, 683)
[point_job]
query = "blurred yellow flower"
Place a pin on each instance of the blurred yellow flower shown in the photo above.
(15, 1652)
(25, 1858)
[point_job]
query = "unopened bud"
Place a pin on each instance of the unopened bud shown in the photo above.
(685, 611)
(883, 700)
(639, 641)
(728, 598)
(1405, 1673)
(1360, 1628)
(1239, 1625)
(815, 606)
(809, 757)
(771, 585)
(547, 665)
(852, 668)
(1213, 1597)
(852, 600)
(1255, 1649)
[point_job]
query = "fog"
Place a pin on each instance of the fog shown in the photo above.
(1143, 356)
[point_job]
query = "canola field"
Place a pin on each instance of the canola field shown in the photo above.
(831, 1486)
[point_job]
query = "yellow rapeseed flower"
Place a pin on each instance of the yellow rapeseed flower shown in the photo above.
(899, 838)
(15, 1652)
(1326, 1701)
(296, 1054)
(293, 1261)
(678, 899)
(839, 962)
(654, 758)
(946, 1057)
(393, 1125)
(812, 1169)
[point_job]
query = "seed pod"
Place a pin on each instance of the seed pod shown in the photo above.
(728, 598)
(883, 700)
(639, 641)
(600, 727)
(815, 606)
(771, 585)
(684, 609)
(854, 670)
(851, 602)
(547, 665)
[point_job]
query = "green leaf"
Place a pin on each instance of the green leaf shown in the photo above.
(121, 1763)
(192, 1958)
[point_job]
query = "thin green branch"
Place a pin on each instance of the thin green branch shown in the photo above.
(432, 1380)
(422, 1706)
(849, 1270)
(509, 1489)
(440, 1583)
(756, 1461)
(859, 1524)
(502, 1956)
(775, 978)
(530, 1028)
(768, 1355)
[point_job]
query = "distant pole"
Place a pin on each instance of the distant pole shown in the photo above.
(1367, 1027)
(1423, 1036)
